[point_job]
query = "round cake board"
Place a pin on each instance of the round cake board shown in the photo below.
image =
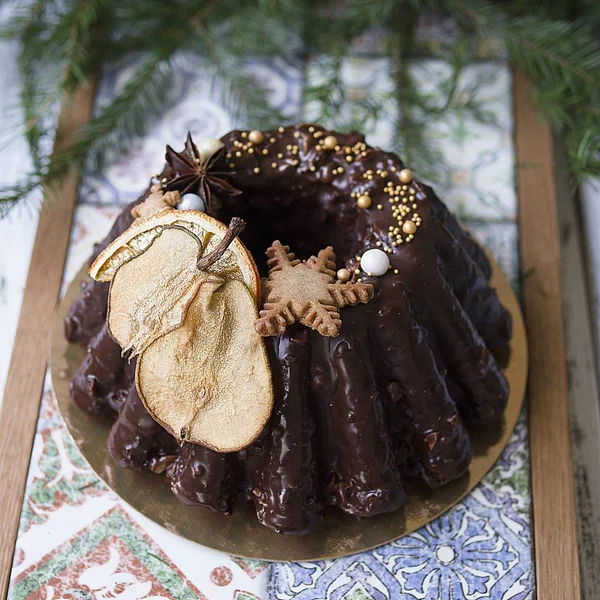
(241, 534)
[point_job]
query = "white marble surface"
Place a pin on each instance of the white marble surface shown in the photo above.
(17, 231)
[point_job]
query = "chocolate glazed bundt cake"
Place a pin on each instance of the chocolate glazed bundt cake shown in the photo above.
(389, 399)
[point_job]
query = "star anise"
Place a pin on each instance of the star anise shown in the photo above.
(192, 174)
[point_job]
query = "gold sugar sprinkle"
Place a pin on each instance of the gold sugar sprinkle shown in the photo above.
(330, 142)
(255, 136)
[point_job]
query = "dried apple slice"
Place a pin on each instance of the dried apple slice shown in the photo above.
(209, 382)
(236, 262)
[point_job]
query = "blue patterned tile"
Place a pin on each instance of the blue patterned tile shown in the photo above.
(479, 549)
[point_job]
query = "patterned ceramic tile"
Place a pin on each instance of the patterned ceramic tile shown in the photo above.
(475, 177)
(196, 107)
(475, 172)
(59, 475)
(479, 549)
(110, 557)
(70, 518)
(366, 82)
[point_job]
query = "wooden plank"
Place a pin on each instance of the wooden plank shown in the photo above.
(584, 395)
(553, 495)
(22, 394)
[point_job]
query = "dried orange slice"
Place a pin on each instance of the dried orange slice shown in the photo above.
(139, 237)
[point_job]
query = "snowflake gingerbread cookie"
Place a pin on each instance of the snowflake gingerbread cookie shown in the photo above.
(305, 292)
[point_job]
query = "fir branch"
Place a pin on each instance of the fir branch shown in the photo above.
(12, 194)
(76, 27)
(562, 58)
(555, 44)
(29, 92)
(402, 40)
(143, 97)
(238, 91)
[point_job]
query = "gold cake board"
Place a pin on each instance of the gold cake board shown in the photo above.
(241, 534)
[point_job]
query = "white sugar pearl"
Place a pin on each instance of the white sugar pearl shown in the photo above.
(207, 147)
(192, 202)
(375, 262)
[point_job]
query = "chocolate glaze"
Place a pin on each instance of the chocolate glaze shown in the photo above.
(471, 287)
(439, 212)
(438, 438)
(201, 477)
(137, 441)
(102, 382)
(88, 312)
(285, 485)
(360, 474)
(356, 415)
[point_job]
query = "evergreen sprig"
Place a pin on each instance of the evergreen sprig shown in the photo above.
(62, 42)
